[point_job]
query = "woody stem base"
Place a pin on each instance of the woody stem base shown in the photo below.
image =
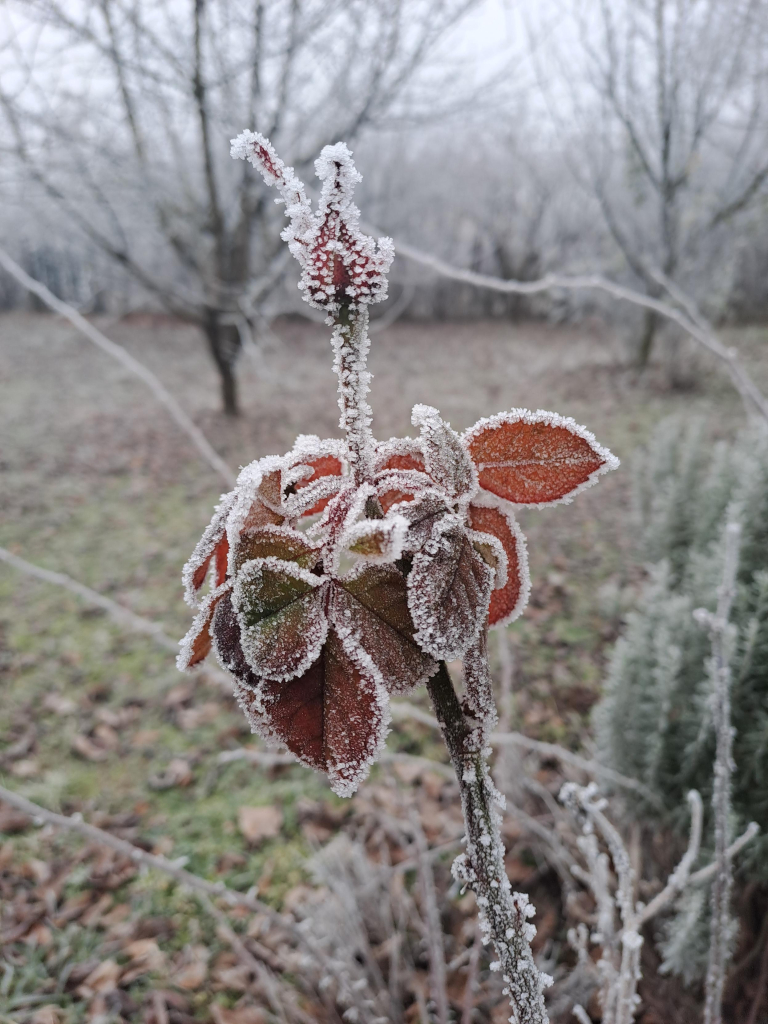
(503, 914)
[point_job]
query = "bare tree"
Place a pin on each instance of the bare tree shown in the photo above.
(669, 99)
(121, 111)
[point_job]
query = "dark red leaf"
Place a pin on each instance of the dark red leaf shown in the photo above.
(371, 605)
(212, 545)
(332, 717)
(196, 645)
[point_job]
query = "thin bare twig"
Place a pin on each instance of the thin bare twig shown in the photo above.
(196, 884)
(619, 964)
(750, 394)
(122, 615)
(117, 352)
(680, 877)
(404, 710)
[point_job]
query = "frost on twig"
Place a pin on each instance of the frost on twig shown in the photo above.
(619, 918)
(343, 271)
(722, 634)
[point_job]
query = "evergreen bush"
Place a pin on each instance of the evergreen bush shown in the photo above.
(654, 721)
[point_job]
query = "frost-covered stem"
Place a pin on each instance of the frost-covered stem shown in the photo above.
(503, 914)
(679, 878)
(619, 984)
(721, 787)
(351, 345)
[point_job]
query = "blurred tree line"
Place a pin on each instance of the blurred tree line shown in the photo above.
(625, 137)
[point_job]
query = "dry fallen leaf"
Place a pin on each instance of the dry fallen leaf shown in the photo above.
(178, 773)
(39, 935)
(191, 976)
(27, 768)
(86, 748)
(102, 979)
(115, 916)
(145, 738)
(48, 1014)
(59, 705)
(93, 914)
(38, 871)
(236, 979)
(72, 908)
(120, 718)
(259, 823)
(408, 771)
(146, 958)
(237, 1015)
(178, 694)
(106, 736)
(12, 820)
(202, 714)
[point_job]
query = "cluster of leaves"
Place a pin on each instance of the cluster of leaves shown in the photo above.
(326, 596)
(341, 572)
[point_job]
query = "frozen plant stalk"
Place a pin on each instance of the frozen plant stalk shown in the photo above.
(437, 558)
(721, 632)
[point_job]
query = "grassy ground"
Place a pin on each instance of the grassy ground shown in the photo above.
(97, 483)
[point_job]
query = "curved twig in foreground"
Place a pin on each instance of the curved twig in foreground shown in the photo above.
(117, 352)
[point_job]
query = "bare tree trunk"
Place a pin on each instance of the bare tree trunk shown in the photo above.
(644, 349)
(224, 345)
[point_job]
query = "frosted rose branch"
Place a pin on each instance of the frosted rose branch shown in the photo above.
(348, 571)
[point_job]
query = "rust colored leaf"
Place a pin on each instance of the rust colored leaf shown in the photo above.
(535, 458)
(449, 587)
(507, 602)
(371, 603)
(196, 645)
(405, 460)
(221, 554)
(259, 823)
(212, 547)
(326, 465)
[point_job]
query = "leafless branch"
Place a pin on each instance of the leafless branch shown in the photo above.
(196, 884)
(117, 352)
(122, 615)
(402, 709)
(751, 395)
